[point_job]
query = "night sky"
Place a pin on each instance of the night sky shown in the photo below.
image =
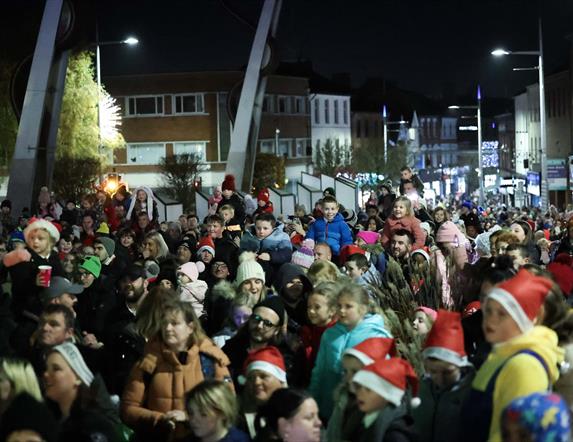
(426, 46)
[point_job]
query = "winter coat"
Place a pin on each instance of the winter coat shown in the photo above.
(418, 185)
(521, 375)
(409, 223)
(310, 336)
(159, 382)
(438, 416)
(327, 372)
(234, 435)
(392, 424)
(336, 233)
(194, 292)
(94, 305)
(346, 417)
(277, 244)
(237, 204)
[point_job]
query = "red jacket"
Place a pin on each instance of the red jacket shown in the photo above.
(310, 336)
(410, 223)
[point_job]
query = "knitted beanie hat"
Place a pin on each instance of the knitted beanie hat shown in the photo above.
(192, 269)
(368, 237)
(76, 362)
(249, 269)
(449, 232)
(563, 275)
(446, 340)
(304, 256)
(229, 183)
(107, 243)
(264, 195)
(431, 313)
(91, 264)
(522, 296)
(38, 223)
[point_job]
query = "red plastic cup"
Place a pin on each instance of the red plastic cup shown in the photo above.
(45, 275)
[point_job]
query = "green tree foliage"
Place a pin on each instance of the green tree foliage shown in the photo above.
(269, 171)
(330, 158)
(369, 158)
(74, 177)
(179, 174)
(8, 122)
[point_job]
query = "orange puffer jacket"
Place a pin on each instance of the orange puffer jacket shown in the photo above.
(159, 382)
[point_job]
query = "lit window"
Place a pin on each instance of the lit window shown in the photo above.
(196, 148)
(147, 153)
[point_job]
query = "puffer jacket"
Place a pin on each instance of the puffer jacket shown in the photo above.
(159, 382)
(336, 233)
(410, 223)
(277, 245)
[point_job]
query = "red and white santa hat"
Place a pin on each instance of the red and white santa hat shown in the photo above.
(446, 340)
(206, 243)
(522, 296)
(372, 349)
(268, 359)
(39, 223)
(389, 378)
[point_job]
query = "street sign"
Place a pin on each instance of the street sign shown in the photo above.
(556, 174)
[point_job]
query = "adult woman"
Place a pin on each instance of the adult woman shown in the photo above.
(153, 402)
(154, 247)
(522, 230)
(83, 405)
(289, 416)
(17, 376)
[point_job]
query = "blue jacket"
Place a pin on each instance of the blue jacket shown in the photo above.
(327, 372)
(277, 244)
(336, 233)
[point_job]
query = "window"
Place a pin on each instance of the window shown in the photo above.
(301, 147)
(267, 146)
(189, 104)
(326, 112)
(317, 111)
(197, 148)
(284, 105)
(345, 111)
(144, 106)
(335, 104)
(300, 105)
(269, 104)
(147, 153)
(284, 148)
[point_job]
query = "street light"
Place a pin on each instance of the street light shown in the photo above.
(480, 141)
(542, 123)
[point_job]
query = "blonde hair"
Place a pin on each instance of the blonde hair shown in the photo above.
(321, 271)
(212, 397)
(174, 306)
(162, 249)
(149, 315)
(328, 289)
(407, 203)
(227, 208)
(22, 377)
(358, 294)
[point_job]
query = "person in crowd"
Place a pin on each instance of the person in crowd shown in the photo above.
(185, 251)
(251, 278)
(519, 253)
(155, 248)
(111, 266)
(215, 200)
(321, 271)
(293, 287)
(448, 381)
(142, 226)
(403, 218)
(70, 266)
(385, 200)
(153, 402)
(143, 202)
(190, 288)
(401, 244)
(6, 219)
(126, 246)
(524, 358)
(229, 196)
(264, 204)
(65, 244)
(406, 174)
(322, 252)
(17, 377)
(206, 250)
(239, 313)
(424, 318)
(361, 271)
(356, 322)
(88, 228)
(330, 228)
(289, 415)
(440, 216)
(212, 410)
(232, 227)
(28, 419)
(224, 247)
(522, 230)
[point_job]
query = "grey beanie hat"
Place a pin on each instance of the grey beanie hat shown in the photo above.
(74, 358)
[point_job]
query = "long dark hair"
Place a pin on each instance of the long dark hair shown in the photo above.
(284, 403)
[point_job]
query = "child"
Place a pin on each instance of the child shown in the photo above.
(24, 266)
(361, 271)
(524, 358)
(206, 250)
(346, 417)
(239, 314)
(321, 271)
(424, 318)
(191, 288)
(447, 383)
(264, 204)
(355, 324)
(519, 254)
(321, 311)
(143, 202)
(212, 409)
(537, 417)
(232, 226)
(403, 218)
(330, 227)
(380, 392)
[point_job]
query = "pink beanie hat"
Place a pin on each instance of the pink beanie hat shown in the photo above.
(368, 237)
(432, 314)
(192, 269)
(448, 232)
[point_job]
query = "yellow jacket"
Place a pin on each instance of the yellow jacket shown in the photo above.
(522, 374)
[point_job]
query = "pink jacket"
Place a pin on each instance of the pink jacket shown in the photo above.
(410, 223)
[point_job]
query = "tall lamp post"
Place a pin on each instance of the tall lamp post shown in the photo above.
(542, 123)
(480, 142)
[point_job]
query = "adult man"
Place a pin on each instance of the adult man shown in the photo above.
(111, 265)
(185, 251)
(322, 252)
(401, 245)
(62, 291)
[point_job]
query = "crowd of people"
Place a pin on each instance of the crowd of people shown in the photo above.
(396, 322)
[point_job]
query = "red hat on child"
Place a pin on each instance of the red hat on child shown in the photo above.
(446, 340)
(522, 296)
(264, 195)
(372, 349)
(267, 359)
(389, 378)
(348, 250)
(206, 243)
(229, 183)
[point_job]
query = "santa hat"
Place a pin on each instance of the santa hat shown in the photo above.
(304, 256)
(268, 359)
(471, 308)
(348, 250)
(38, 223)
(389, 379)
(192, 269)
(264, 195)
(368, 237)
(422, 252)
(229, 183)
(522, 296)
(446, 340)
(206, 243)
(372, 349)
(563, 276)
(431, 313)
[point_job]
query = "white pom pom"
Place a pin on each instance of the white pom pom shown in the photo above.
(564, 367)
(200, 266)
(415, 402)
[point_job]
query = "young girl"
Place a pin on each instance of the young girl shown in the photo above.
(403, 218)
(321, 271)
(191, 288)
(424, 318)
(212, 409)
(142, 202)
(321, 310)
(524, 358)
(239, 313)
(356, 322)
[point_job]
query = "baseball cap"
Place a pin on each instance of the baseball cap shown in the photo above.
(58, 286)
(135, 272)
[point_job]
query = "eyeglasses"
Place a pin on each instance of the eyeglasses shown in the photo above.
(258, 320)
(220, 265)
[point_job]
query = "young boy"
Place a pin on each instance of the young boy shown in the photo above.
(380, 391)
(448, 381)
(407, 176)
(362, 271)
(330, 227)
(232, 226)
(519, 253)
